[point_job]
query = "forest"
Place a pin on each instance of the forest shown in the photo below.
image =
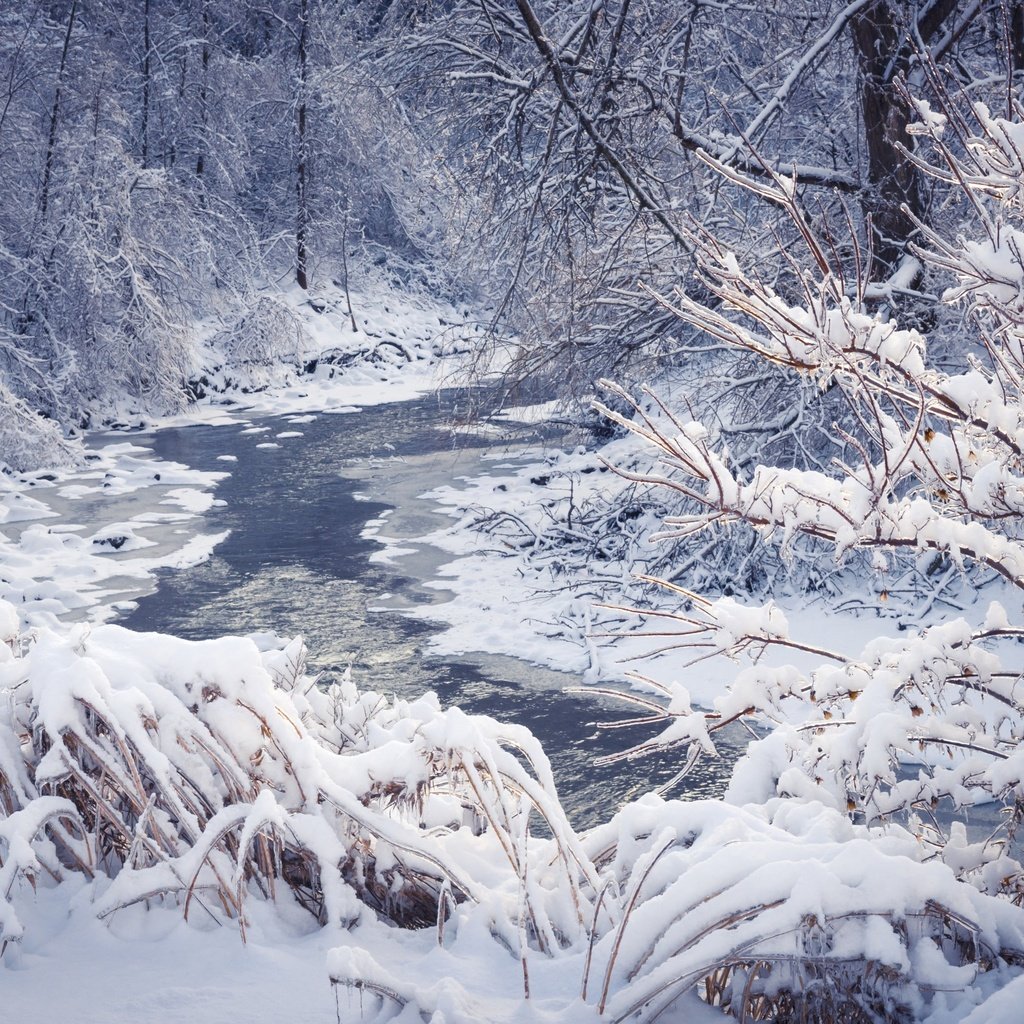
(763, 264)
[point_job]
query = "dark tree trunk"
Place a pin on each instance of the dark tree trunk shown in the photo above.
(203, 103)
(51, 139)
(145, 83)
(892, 180)
(1016, 32)
(301, 210)
(886, 36)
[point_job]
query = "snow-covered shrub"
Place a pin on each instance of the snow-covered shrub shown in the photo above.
(907, 735)
(203, 773)
(27, 440)
(267, 334)
(786, 912)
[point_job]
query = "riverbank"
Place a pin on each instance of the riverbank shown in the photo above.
(56, 568)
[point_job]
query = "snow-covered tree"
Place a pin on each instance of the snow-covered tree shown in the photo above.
(573, 130)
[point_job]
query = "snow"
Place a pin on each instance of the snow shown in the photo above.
(10, 623)
(404, 346)
(400, 790)
(191, 499)
(55, 569)
(152, 965)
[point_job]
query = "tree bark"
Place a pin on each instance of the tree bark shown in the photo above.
(1016, 33)
(51, 139)
(892, 180)
(886, 47)
(302, 209)
(203, 104)
(145, 82)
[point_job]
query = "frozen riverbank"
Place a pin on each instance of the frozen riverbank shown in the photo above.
(56, 568)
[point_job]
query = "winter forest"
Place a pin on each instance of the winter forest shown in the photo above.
(512, 511)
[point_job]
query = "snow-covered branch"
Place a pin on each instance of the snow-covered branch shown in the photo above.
(933, 467)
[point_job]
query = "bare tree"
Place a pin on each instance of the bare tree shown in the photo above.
(584, 123)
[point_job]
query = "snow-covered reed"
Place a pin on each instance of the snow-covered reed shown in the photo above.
(203, 773)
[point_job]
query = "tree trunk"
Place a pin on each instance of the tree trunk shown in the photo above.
(145, 83)
(892, 180)
(51, 139)
(203, 104)
(301, 210)
(1016, 33)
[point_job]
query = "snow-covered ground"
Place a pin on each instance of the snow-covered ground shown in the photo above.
(148, 963)
(402, 346)
(57, 568)
(511, 590)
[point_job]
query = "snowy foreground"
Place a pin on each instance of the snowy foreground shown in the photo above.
(239, 802)
(196, 831)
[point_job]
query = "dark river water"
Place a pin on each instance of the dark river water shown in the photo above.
(295, 563)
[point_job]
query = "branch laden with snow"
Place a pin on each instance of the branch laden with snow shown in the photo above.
(904, 738)
(885, 735)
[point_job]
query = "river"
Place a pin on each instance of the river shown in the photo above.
(295, 563)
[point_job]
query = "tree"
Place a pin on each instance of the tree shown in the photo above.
(581, 125)
(302, 156)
